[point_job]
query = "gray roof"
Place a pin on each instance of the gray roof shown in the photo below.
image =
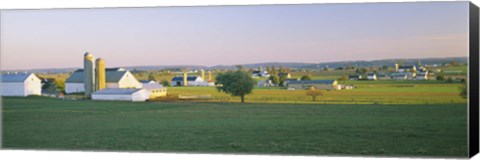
(406, 67)
(117, 91)
(19, 77)
(312, 82)
(189, 78)
(152, 86)
(112, 76)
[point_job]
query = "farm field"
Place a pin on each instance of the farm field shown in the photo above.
(365, 93)
(306, 129)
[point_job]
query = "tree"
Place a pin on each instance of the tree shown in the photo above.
(165, 83)
(449, 80)
(236, 83)
(274, 78)
(60, 84)
(314, 93)
(343, 78)
(274, 70)
(306, 77)
(454, 63)
(151, 76)
(281, 80)
(463, 89)
(268, 69)
(440, 78)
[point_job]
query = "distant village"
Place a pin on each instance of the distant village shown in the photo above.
(99, 83)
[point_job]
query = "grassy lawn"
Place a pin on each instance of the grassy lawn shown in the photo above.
(311, 129)
(365, 93)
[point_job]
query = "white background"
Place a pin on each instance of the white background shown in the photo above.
(80, 155)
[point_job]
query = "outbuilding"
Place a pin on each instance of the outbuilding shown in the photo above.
(155, 90)
(317, 84)
(121, 94)
(21, 84)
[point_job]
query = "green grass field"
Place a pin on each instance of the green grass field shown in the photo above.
(307, 129)
(367, 92)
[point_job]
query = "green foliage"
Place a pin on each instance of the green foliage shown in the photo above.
(343, 78)
(449, 80)
(152, 76)
(274, 78)
(313, 93)
(440, 78)
(306, 77)
(236, 83)
(464, 89)
(60, 85)
(165, 83)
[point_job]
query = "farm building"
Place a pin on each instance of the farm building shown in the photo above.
(260, 73)
(121, 94)
(405, 68)
(155, 89)
(317, 84)
(372, 76)
(422, 76)
(382, 76)
(355, 77)
(114, 77)
(147, 81)
(190, 81)
(399, 76)
(21, 84)
(265, 83)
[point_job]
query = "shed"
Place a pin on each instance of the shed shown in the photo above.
(21, 84)
(121, 94)
(317, 84)
(155, 89)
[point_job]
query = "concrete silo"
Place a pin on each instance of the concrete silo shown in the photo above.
(100, 74)
(89, 74)
(185, 79)
(202, 73)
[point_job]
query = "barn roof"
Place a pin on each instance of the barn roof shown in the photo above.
(117, 91)
(112, 76)
(189, 78)
(19, 77)
(313, 82)
(406, 67)
(152, 86)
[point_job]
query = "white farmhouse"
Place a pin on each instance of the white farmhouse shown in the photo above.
(21, 85)
(121, 94)
(115, 78)
(372, 76)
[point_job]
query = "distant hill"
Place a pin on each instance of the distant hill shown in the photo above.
(378, 63)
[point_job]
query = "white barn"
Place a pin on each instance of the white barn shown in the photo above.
(115, 78)
(191, 81)
(21, 85)
(122, 94)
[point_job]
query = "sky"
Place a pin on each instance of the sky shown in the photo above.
(228, 35)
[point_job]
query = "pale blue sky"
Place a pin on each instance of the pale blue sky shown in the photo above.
(216, 35)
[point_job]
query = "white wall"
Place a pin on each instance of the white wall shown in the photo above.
(33, 85)
(13, 89)
(74, 88)
(139, 96)
(129, 81)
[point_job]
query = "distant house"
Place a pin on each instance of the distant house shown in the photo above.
(382, 76)
(265, 83)
(260, 73)
(422, 76)
(284, 74)
(405, 68)
(155, 89)
(115, 78)
(191, 81)
(355, 77)
(21, 84)
(399, 76)
(317, 84)
(372, 76)
(121, 94)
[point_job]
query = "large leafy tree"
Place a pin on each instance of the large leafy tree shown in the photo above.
(236, 83)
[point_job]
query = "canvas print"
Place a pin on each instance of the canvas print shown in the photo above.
(369, 79)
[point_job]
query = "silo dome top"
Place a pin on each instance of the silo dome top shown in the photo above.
(88, 56)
